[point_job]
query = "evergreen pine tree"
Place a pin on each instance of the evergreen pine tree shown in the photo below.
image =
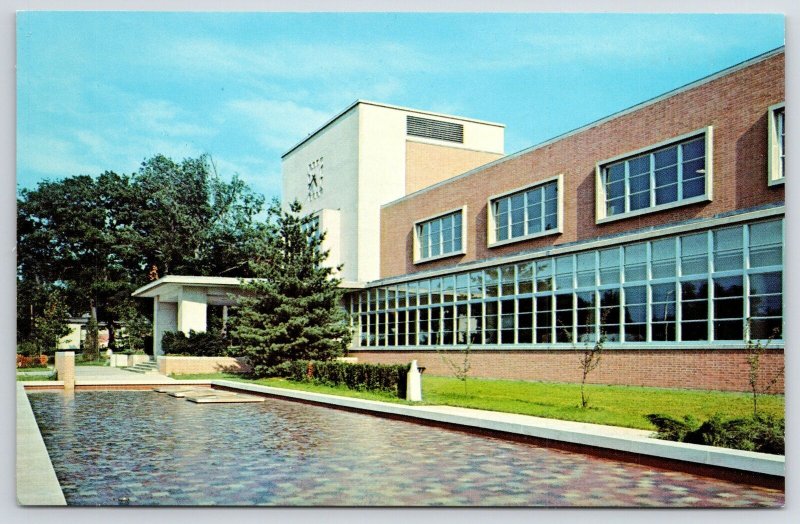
(292, 310)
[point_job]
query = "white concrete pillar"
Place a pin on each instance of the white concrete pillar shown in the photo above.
(192, 306)
(165, 318)
(414, 383)
(65, 368)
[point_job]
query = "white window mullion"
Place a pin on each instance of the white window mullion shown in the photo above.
(710, 280)
(627, 187)
(652, 179)
(679, 151)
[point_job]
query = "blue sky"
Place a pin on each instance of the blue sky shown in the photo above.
(104, 91)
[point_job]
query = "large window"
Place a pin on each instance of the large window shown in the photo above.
(527, 213)
(776, 152)
(722, 285)
(438, 237)
(660, 177)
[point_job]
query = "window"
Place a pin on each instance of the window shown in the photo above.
(713, 287)
(439, 237)
(531, 212)
(776, 142)
(661, 177)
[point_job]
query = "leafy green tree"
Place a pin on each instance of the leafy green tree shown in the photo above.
(91, 346)
(190, 222)
(293, 310)
(136, 328)
(99, 238)
(66, 238)
(51, 325)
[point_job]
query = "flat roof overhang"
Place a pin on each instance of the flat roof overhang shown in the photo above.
(168, 288)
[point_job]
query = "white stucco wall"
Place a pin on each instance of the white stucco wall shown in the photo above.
(165, 317)
(330, 221)
(73, 339)
(337, 146)
(192, 306)
(382, 164)
(363, 154)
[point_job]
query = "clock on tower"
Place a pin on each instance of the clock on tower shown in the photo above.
(315, 179)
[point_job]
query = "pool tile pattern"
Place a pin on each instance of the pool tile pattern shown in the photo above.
(143, 448)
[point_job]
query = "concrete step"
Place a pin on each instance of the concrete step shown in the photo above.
(143, 368)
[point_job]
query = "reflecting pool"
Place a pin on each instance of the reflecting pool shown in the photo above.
(145, 448)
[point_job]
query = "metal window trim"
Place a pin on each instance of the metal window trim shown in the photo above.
(601, 215)
(775, 176)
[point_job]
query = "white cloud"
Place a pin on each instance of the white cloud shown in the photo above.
(296, 60)
(637, 40)
(277, 124)
(166, 119)
(53, 157)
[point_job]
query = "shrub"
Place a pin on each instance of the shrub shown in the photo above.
(27, 348)
(671, 428)
(363, 377)
(764, 434)
(202, 344)
(31, 362)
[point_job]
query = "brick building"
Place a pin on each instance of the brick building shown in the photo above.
(658, 228)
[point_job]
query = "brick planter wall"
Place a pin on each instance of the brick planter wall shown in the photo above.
(717, 369)
(191, 365)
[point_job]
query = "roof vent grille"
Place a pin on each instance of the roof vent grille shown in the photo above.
(427, 128)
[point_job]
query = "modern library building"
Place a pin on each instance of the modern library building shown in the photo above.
(658, 230)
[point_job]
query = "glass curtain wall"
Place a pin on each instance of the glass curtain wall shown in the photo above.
(724, 284)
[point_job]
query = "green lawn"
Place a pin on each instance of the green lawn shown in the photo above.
(288, 384)
(614, 405)
(81, 362)
(22, 377)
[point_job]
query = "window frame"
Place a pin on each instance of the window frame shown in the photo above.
(775, 168)
(601, 215)
(417, 252)
(491, 222)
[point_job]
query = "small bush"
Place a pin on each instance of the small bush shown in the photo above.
(671, 428)
(764, 434)
(362, 377)
(202, 344)
(27, 348)
(24, 362)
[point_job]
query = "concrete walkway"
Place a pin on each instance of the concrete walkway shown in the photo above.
(107, 376)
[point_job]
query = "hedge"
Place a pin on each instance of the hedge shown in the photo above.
(760, 433)
(196, 344)
(362, 377)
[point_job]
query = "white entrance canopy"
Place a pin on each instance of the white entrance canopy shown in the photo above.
(180, 302)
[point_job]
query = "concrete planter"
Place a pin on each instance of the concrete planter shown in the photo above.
(117, 360)
(191, 365)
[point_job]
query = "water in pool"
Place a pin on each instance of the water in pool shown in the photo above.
(145, 448)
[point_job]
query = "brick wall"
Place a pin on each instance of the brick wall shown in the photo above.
(735, 105)
(717, 369)
(427, 164)
(195, 365)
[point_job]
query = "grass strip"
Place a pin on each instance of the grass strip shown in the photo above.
(624, 406)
